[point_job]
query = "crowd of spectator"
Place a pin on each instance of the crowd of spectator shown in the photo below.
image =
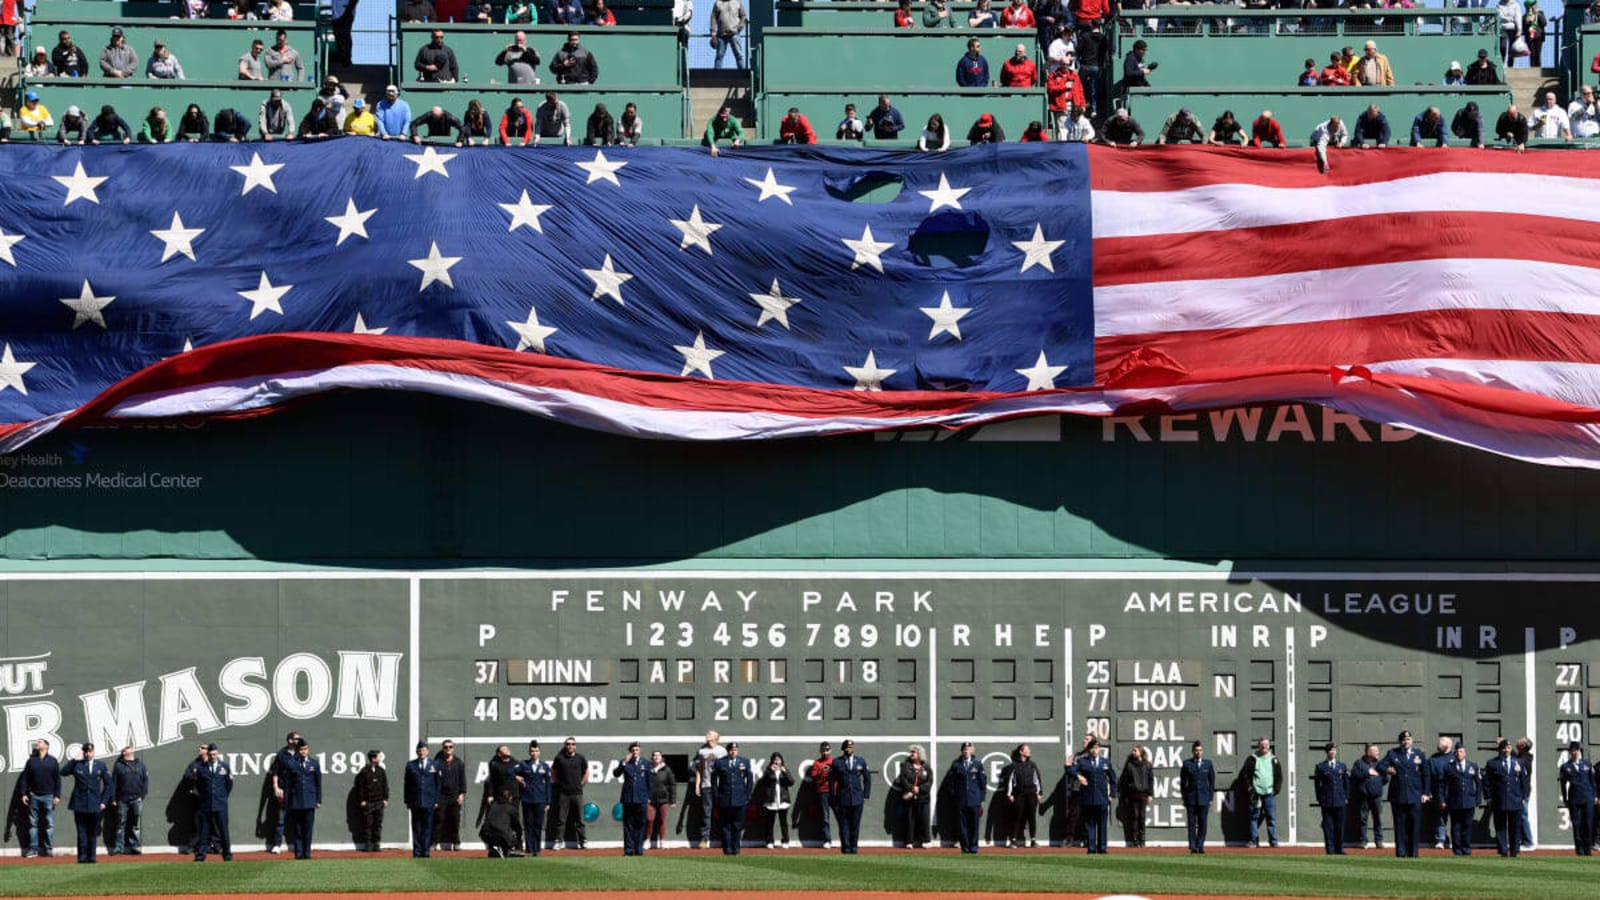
(117, 59)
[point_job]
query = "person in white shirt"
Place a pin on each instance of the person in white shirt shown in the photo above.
(1330, 132)
(1550, 120)
(1581, 115)
(1064, 50)
(935, 136)
(1075, 126)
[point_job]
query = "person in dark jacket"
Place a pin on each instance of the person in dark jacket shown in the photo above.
(41, 791)
(302, 799)
(1197, 785)
(194, 125)
(502, 779)
(772, 795)
(662, 799)
(569, 772)
(1097, 779)
(1482, 70)
(277, 770)
(732, 786)
(986, 130)
(852, 788)
(452, 798)
(422, 799)
(972, 70)
(67, 58)
(601, 129)
(914, 787)
(497, 831)
(1428, 126)
(1367, 778)
(1332, 782)
(1462, 787)
(1262, 775)
(1576, 779)
(638, 784)
(1137, 786)
(574, 64)
(108, 126)
(1122, 130)
(435, 62)
(970, 784)
(372, 798)
(1512, 126)
(533, 787)
(1524, 747)
(213, 782)
(1502, 788)
(1372, 126)
(319, 122)
(91, 791)
(1023, 790)
(1467, 124)
(130, 784)
(230, 125)
(1408, 791)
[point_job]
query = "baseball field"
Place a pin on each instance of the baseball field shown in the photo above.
(787, 875)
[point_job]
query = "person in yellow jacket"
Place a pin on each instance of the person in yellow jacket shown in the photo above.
(360, 121)
(33, 116)
(1372, 67)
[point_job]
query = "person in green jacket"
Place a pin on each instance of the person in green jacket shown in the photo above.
(723, 127)
(937, 15)
(155, 129)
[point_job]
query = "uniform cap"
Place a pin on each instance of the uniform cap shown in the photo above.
(1197, 745)
(88, 746)
(848, 744)
(211, 746)
(1575, 745)
(1403, 735)
(1503, 744)
(825, 746)
(965, 745)
(1329, 746)
(532, 745)
(372, 755)
(1483, 54)
(421, 744)
(732, 745)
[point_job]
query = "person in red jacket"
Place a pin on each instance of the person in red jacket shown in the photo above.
(516, 125)
(796, 129)
(1063, 86)
(1334, 73)
(1017, 15)
(1266, 132)
(1089, 13)
(1019, 71)
(1034, 132)
(903, 17)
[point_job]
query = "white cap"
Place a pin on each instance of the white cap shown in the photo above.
(74, 111)
(1455, 66)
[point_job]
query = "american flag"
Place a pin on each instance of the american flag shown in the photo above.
(779, 292)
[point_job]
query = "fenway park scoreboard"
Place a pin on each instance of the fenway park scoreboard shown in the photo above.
(780, 661)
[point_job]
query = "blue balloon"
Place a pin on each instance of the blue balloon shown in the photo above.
(616, 812)
(590, 812)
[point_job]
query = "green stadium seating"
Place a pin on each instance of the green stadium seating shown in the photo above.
(133, 99)
(664, 110)
(1299, 110)
(854, 14)
(1259, 49)
(209, 49)
(630, 55)
(960, 107)
(1588, 46)
(892, 60)
(122, 10)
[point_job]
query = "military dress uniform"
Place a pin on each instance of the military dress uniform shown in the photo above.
(301, 796)
(1332, 780)
(1578, 793)
(422, 795)
(1408, 783)
(971, 784)
(852, 787)
(732, 784)
(213, 782)
(91, 791)
(1197, 785)
(1462, 787)
(534, 775)
(638, 783)
(1095, 798)
(1502, 787)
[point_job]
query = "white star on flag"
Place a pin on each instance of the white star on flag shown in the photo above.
(1041, 376)
(944, 195)
(601, 169)
(698, 357)
(353, 222)
(696, 231)
(523, 212)
(530, 334)
(1038, 250)
(363, 328)
(265, 297)
(177, 239)
(430, 160)
(771, 188)
(607, 281)
(7, 241)
(86, 307)
(945, 317)
(11, 371)
(774, 305)
(435, 267)
(80, 185)
(867, 375)
(188, 345)
(867, 250)
(257, 174)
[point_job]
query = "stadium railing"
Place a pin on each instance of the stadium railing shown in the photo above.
(134, 99)
(663, 109)
(631, 55)
(208, 49)
(960, 107)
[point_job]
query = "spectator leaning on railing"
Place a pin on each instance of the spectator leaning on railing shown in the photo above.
(1180, 128)
(796, 128)
(1467, 124)
(1512, 126)
(1226, 131)
(552, 120)
(1428, 126)
(1266, 132)
(630, 128)
(1372, 126)
(360, 121)
(110, 127)
(934, 137)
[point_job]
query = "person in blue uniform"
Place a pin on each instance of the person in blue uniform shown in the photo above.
(970, 784)
(1462, 790)
(91, 791)
(1367, 779)
(732, 783)
(533, 780)
(852, 788)
(1262, 774)
(1197, 786)
(1097, 787)
(213, 782)
(1577, 781)
(1438, 818)
(638, 783)
(1332, 781)
(1502, 788)
(302, 796)
(1407, 769)
(422, 796)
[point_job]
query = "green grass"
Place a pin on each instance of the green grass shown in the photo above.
(1544, 875)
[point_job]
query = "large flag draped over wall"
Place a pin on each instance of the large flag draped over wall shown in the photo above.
(784, 292)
